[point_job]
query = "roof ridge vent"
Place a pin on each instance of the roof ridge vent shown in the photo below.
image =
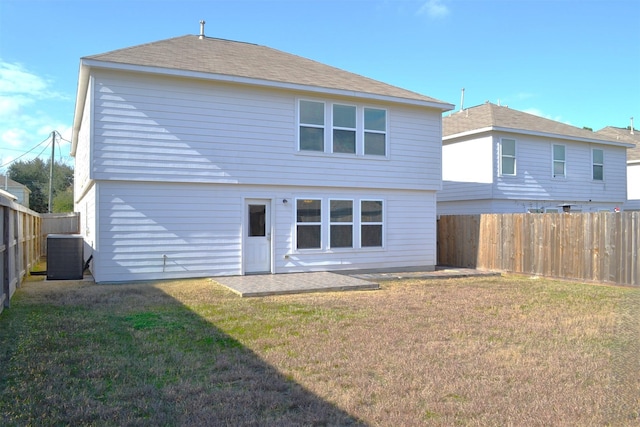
(202, 22)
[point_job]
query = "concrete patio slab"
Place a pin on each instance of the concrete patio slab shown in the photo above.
(293, 283)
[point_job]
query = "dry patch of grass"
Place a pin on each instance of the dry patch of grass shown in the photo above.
(478, 351)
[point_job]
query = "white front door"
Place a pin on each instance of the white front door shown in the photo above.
(257, 238)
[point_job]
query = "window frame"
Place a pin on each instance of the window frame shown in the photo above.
(329, 127)
(514, 157)
(342, 128)
(331, 223)
(594, 164)
(302, 124)
(310, 223)
(554, 160)
(384, 132)
(362, 223)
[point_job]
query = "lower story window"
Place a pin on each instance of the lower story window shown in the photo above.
(341, 224)
(371, 223)
(309, 224)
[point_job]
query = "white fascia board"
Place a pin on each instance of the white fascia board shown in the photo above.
(467, 133)
(537, 133)
(81, 97)
(264, 83)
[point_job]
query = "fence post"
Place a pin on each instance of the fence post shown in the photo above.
(6, 277)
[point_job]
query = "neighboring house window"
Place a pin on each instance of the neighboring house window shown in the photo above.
(559, 161)
(341, 224)
(371, 223)
(308, 223)
(375, 131)
(344, 129)
(598, 164)
(507, 156)
(311, 126)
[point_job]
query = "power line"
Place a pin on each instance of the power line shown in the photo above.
(19, 157)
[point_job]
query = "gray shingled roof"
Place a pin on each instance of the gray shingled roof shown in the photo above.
(624, 135)
(246, 60)
(494, 116)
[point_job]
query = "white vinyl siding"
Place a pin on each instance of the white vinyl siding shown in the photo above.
(534, 183)
(149, 128)
(151, 231)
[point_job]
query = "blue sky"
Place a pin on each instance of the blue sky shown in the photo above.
(574, 61)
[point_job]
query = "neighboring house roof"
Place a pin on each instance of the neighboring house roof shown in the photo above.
(239, 62)
(488, 117)
(625, 135)
(8, 183)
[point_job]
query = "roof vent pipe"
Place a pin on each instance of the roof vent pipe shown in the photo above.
(202, 29)
(631, 125)
(462, 100)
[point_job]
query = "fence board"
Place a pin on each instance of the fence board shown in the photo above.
(600, 247)
(23, 232)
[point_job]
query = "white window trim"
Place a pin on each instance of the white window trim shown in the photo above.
(593, 163)
(515, 157)
(320, 223)
(328, 130)
(382, 223)
(300, 124)
(334, 127)
(553, 161)
(352, 224)
(385, 132)
(325, 226)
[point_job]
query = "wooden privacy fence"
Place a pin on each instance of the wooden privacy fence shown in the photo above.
(20, 248)
(601, 247)
(24, 235)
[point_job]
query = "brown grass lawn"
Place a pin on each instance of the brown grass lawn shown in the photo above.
(479, 351)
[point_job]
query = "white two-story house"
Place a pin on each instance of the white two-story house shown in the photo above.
(632, 136)
(499, 160)
(198, 156)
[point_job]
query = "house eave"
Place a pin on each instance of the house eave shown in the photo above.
(81, 96)
(92, 63)
(536, 133)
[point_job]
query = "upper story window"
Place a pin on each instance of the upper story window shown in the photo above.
(375, 131)
(597, 156)
(357, 130)
(311, 126)
(559, 161)
(507, 156)
(344, 129)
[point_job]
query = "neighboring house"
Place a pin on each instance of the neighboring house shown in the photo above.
(499, 160)
(197, 157)
(21, 191)
(631, 136)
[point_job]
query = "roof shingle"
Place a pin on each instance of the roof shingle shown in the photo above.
(624, 135)
(490, 115)
(252, 61)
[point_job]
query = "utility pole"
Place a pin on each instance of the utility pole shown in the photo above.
(53, 152)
